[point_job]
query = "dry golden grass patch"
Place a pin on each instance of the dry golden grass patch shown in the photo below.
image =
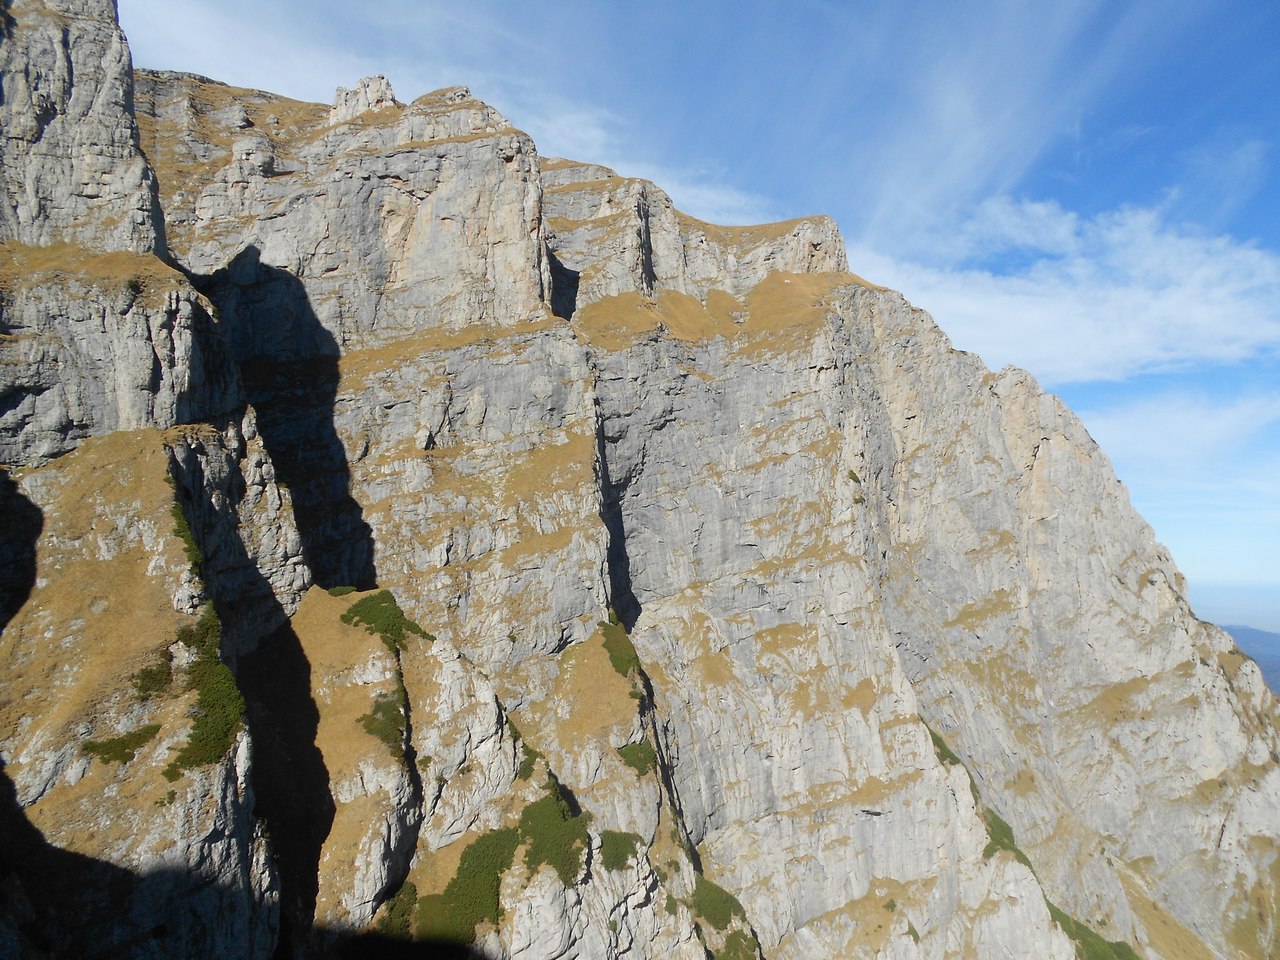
(862, 696)
(552, 465)
(618, 322)
(1256, 929)
(687, 318)
(1165, 932)
(816, 553)
(748, 236)
(335, 650)
(785, 311)
(1024, 784)
(95, 612)
(433, 869)
(713, 669)
(992, 542)
(24, 267)
(784, 638)
(355, 367)
(27, 13)
(1115, 703)
(96, 616)
(602, 185)
(589, 699)
(871, 919)
(536, 549)
(975, 614)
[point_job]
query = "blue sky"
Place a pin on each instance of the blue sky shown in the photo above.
(1088, 190)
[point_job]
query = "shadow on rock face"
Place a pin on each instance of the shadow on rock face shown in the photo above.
(564, 289)
(55, 903)
(289, 367)
(290, 780)
(20, 524)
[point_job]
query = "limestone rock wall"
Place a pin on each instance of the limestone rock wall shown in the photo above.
(744, 616)
(242, 521)
(619, 235)
(1048, 638)
(395, 219)
(69, 158)
(120, 343)
(120, 851)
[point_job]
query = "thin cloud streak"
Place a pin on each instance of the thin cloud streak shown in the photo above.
(994, 89)
(1104, 298)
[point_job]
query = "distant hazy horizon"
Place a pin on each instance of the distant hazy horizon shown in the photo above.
(1242, 603)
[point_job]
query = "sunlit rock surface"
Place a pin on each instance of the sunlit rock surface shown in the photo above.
(589, 580)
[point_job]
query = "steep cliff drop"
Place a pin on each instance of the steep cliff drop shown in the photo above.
(414, 544)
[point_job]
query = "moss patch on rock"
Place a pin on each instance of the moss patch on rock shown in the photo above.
(381, 615)
(471, 897)
(121, 749)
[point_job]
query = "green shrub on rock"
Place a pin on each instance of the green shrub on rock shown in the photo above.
(219, 703)
(1089, 945)
(380, 614)
(121, 749)
(386, 722)
(714, 903)
(472, 895)
(622, 654)
(639, 756)
(617, 847)
(555, 836)
(397, 913)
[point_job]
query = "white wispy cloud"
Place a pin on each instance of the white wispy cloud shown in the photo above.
(240, 44)
(1095, 298)
(986, 90)
(1210, 433)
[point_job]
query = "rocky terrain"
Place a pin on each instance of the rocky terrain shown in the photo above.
(412, 542)
(1263, 646)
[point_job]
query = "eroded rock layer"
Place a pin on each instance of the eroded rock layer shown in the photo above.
(412, 538)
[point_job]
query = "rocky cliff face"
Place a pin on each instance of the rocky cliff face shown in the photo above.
(432, 541)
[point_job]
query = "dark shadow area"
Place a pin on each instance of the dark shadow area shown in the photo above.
(20, 524)
(290, 780)
(625, 604)
(288, 365)
(7, 23)
(377, 945)
(55, 903)
(61, 904)
(564, 289)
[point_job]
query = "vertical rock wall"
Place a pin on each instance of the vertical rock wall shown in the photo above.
(69, 157)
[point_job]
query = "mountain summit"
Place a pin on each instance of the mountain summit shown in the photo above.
(415, 544)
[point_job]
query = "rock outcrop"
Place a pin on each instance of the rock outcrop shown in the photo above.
(431, 541)
(69, 157)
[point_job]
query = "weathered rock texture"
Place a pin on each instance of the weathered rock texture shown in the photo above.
(684, 593)
(69, 157)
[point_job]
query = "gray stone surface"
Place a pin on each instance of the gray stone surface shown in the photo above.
(526, 394)
(69, 158)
